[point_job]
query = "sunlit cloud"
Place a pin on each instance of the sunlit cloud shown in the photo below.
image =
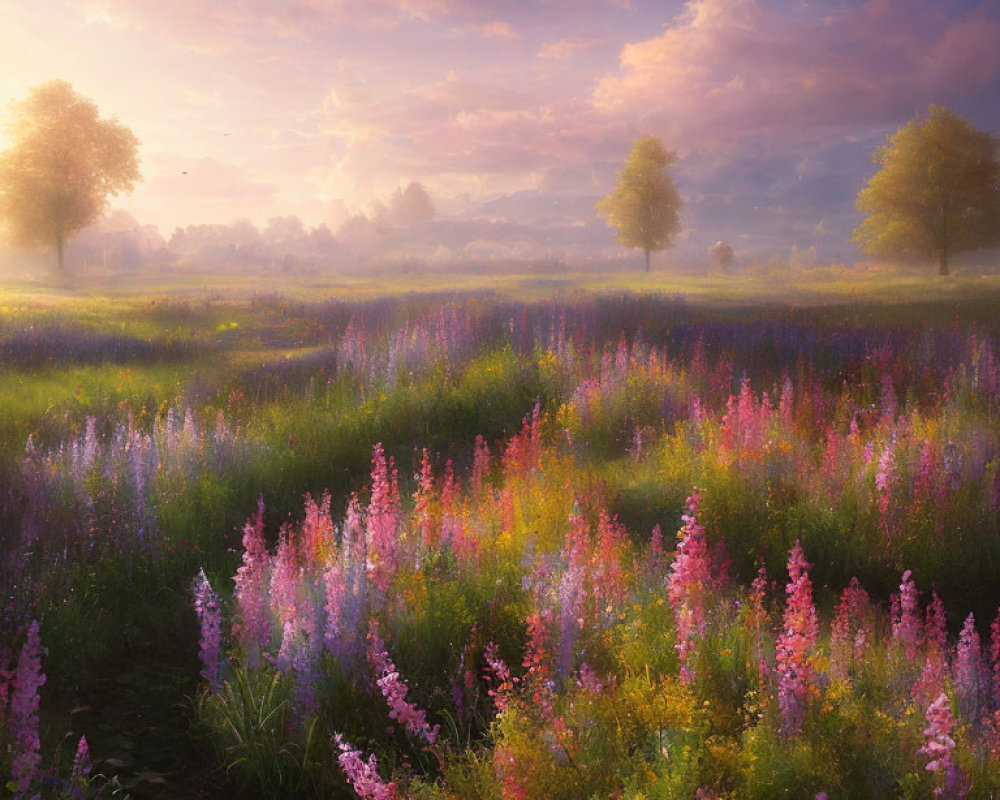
(725, 70)
(498, 30)
(566, 47)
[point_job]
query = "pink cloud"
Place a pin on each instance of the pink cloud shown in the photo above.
(566, 47)
(205, 189)
(456, 126)
(498, 30)
(729, 69)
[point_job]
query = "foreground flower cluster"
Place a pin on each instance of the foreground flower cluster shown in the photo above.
(638, 672)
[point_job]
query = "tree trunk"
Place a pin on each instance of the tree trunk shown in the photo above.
(647, 260)
(943, 263)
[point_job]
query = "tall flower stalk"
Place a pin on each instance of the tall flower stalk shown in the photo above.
(795, 644)
(24, 743)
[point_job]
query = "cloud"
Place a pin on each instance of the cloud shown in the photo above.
(460, 128)
(566, 47)
(726, 70)
(498, 30)
(208, 190)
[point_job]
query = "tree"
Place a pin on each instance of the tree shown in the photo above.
(64, 162)
(644, 207)
(937, 191)
(722, 254)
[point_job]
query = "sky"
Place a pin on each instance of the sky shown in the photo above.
(514, 115)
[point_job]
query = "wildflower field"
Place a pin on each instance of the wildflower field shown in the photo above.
(513, 540)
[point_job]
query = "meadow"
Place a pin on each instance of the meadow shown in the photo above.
(583, 536)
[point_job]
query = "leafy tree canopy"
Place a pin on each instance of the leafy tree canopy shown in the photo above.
(64, 162)
(644, 206)
(937, 191)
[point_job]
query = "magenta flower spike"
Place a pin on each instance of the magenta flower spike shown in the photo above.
(252, 580)
(794, 646)
(285, 577)
(394, 690)
(689, 579)
(938, 746)
(383, 521)
(24, 743)
(209, 611)
(363, 775)
(968, 670)
(906, 628)
(504, 685)
(81, 762)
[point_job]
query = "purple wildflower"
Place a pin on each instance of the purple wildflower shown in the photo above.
(209, 611)
(968, 670)
(28, 679)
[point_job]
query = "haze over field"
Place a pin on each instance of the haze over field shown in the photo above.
(515, 117)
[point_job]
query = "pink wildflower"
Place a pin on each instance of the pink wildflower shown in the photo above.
(995, 655)
(848, 634)
(930, 684)
(906, 619)
(317, 535)
(537, 660)
(505, 681)
(936, 627)
(608, 577)
(656, 541)
(363, 775)
(383, 522)
(81, 761)
(25, 746)
(571, 595)
(480, 466)
(938, 747)
(285, 577)
(422, 501)
(689, 579)
(884, 481)
(79, 778)
(251, 589)
(588, 680)
(335, 588)
(968, 670)
(924, 480)
(452, 531)
(800, 629)
(757, 617)
(394, 690)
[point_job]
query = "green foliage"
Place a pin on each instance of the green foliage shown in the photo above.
(937, 191)
(644, 207)
(248, 723)
(64, 163)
